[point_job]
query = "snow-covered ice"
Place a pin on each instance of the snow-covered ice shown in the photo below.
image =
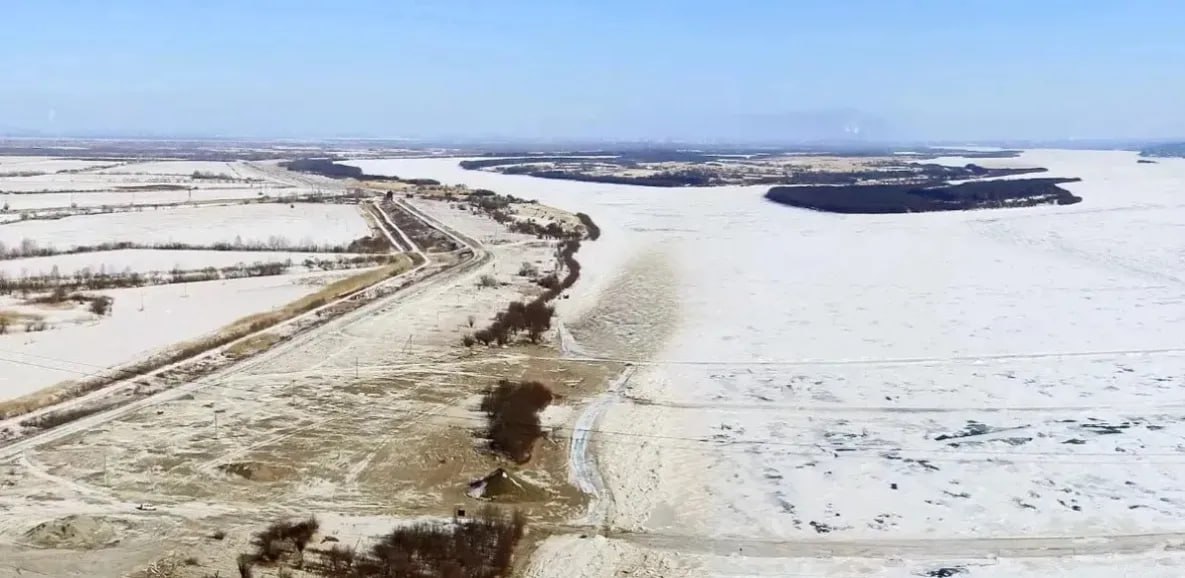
(974, 375)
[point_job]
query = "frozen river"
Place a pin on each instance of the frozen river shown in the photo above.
(900, 392)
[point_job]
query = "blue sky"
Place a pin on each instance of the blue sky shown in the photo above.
(657, 69)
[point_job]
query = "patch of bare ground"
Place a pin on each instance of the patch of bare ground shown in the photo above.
(252, 345)
(75, 532)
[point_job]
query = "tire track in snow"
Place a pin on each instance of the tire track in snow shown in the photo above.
(584, 473)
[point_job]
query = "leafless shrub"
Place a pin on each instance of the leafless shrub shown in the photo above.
(244, 563)
(468, 340)
(482, 547)
(282, 537)
(512, 413)
(590, 228)
(484, 336)
(61, 285)
(535, 317)
(167, 567)
(527, 269)
(30, 248)
(487, 281)
(338, 561)
(101, 305)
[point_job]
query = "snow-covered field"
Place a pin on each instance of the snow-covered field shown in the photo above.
(142, 321)
(48, 182)
(144, 260)
(35, 201)
(92, 182)
(49, 164)
(76, 342)
(56, 183)
(236, 169)
(309, 223)
(953, 382)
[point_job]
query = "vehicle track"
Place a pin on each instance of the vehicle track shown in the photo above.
(582, 464)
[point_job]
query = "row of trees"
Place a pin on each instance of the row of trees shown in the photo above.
(594, 232)
(94, 281)
(30, 248)
(673, 178)
(904, 198)
(497, 207)
(478, 547)
(533, 318)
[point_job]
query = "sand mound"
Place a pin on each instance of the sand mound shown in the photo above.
(74, 532)
(502, 486)
(258, 472)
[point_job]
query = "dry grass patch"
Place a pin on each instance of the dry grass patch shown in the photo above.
(19, 317)
(383, 185)
(10, 319)
(252, 345)
(260, 321)
(330, 292)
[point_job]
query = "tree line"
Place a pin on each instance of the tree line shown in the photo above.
(533, 318)
(90, 280)
(30, 248)
(917, 198)
(480, 546)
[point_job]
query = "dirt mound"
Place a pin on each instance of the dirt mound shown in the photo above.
(74, 532)
(257, 472)
(502, 486)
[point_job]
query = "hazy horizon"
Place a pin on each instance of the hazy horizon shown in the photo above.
(696, 71)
